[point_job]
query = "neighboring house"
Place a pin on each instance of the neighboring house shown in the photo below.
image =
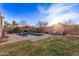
(61, 28)
(58, 28)
(48, 29)
(76, 28)
(55, 28)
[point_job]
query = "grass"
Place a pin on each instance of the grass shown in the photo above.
(53, 46)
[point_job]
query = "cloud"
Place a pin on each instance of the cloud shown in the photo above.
(59, 13)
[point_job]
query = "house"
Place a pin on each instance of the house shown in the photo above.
(60, 29)
(48, 29)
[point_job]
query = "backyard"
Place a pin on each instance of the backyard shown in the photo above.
(51, 46)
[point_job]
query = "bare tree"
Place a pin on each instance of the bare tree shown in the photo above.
(6, 23)
(69, 26)
(69, 22)
(23, 22)
(42, 24)
(14, 23)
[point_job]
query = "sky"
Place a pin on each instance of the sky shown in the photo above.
(32, 13)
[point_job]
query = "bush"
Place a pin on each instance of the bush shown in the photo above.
(39, 30)
(15, 30)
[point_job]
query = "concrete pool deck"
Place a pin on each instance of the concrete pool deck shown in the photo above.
(14, 38)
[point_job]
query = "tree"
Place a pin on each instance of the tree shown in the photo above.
(14, 23)
(16, 30)
(9, 28)
(69, 26)
(41, 26)
(6, 23)
(69, 22)
(23, 22)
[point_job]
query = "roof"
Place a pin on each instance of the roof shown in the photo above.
(25, 27)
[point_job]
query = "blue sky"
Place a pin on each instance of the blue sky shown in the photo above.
(34, 12)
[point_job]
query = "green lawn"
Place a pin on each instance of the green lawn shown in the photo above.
(53, 46)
